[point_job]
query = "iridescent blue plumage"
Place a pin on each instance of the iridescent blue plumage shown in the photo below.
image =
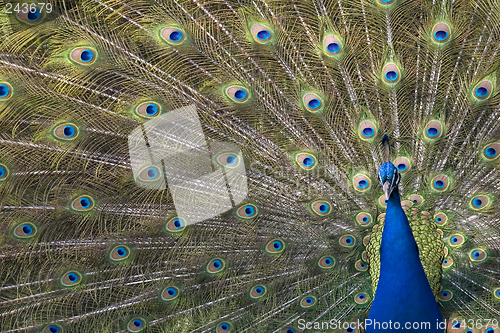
(403, 293)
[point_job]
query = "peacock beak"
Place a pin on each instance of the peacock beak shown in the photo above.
(387, 188)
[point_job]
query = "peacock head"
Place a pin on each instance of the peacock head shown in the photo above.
(389, 178)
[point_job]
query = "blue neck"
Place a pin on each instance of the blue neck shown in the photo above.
(403, 292)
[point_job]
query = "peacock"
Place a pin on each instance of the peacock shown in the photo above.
(249, 166)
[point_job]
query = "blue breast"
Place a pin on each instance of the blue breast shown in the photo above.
(403, 297)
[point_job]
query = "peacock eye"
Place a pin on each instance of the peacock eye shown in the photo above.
(367, 130)
(306, 161)
(496, 293)
(326, 262)
(445, 295)
(320, 207)
(288, 330)
(440, 183)
(25, 230)
(33, 16)
(228, 160)
(347, 241)
(361, 183)
(307, 302)
(483, 90)
(82, 203)
(416, 199)
(441, 33)
(433, 130)
(224, 327)
(492, 151)
(480, 202)
(391, 74)
(402, 164)
(148, 109)
(312, 102)
(83, 55)
(364, 218)
(275, 246)
(119, 253)
(5, 91)
(361, 266)
(216, 265)
(448, 262)
(71, 279)
(66, 131)
(261, 33)
(247, 211)
(136, 325)
(169, 293)
(440, 218)
(477, 255)
(238, 94)
(258, 291)
(456, 240)
(175, 224)
(332, 46)
(53, 328)
(173, 35)
(361, 298)
(149, 174)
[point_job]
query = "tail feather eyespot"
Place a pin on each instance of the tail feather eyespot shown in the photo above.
(136, 324)
(6, 91)
(238, 94)
(119, 253)
(175, 224)
(25, 230)
(71, 279)
(170, 293)
(82, 203)
(306, 161)
(247, 211)
(275, 246)
(440, 183)
(367, 130)
(66, 131)
(321, 207)
(173, 35)
(308, 302)
(326, 262)
(391, 74)
(441, 33)
(53, 328)
(480, 202)
(148, 109)
(332, 46)
(32, 16)
(483, 90)
(313, 102)
(364, 219)
(433, 130)
(258, 292)
(83, 55)
(347, 241)
(477, 255)
(216, 265)
(361, 183)
(261, 33)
